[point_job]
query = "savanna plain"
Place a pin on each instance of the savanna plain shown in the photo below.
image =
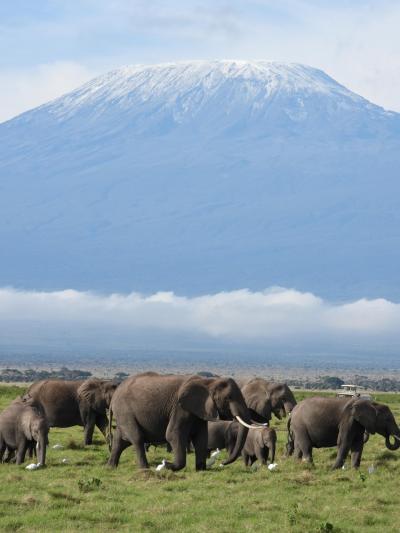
(78, 492)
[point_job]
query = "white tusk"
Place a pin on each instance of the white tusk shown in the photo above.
(263, 425)
(247, 425)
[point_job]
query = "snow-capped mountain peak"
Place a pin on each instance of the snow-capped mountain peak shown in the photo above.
(203, 176)
(249, 91)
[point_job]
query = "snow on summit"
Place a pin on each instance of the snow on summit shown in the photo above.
(203, 176)
(259, 80)
(223, 91)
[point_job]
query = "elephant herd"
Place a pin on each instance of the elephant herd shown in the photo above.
(184, 411)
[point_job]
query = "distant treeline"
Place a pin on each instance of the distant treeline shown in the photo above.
(9, 375)
(14, 375)
(334, 382)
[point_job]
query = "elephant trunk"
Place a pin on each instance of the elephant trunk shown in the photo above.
(289, 406)
(242, 413)
(240, 441)
(396, 444)
(41, 450)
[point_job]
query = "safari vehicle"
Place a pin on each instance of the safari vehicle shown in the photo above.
(349, 391)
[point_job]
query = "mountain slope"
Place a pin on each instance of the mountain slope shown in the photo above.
(203, 176)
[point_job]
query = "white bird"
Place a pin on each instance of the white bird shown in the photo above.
(213, 458)
(32, 466)
(161, 465)
(272, 466)
(371, 469)
(65, 461)
(57, 447)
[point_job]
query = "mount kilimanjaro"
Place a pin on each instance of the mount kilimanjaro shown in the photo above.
(203, 176)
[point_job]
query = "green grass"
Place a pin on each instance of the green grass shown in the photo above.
(84, 495)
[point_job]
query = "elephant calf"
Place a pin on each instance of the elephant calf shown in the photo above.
(324, 422)
(23, 426)
(259, 444)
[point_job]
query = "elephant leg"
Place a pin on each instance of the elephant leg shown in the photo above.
(272, 450)
(342, 453)
(298, 454)
(134, 435)
(88, 430)
(118, 446)
(140, 453)
(102, 423)
(21, 451)
(32, 450)
(260, 455)
(169, 447)
(177, 435)
(356, 451)
(307, 454)
(3, 447)
(303, 447)
(199, 440)
(266, 454)
(10, 456)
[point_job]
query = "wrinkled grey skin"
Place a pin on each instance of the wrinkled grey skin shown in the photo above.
(217, 435)
(23, 426)
(75, 403)
(260, 443)
(151, 407)
(324, 422)
(264, 398)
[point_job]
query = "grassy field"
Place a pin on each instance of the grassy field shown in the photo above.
(83, 494)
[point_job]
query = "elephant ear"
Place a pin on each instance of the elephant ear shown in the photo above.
(257, 398)
(194, 396)
(365, 414)
(91, 392)
(361, 411)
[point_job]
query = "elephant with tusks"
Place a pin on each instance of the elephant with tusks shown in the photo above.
(151, 407)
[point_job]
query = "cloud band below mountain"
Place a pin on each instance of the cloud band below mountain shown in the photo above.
(274, 317)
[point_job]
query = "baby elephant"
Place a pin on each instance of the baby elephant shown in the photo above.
(22, 427)
(260, 443)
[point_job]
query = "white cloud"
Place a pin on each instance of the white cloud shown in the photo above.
(23, 89)
(276, 316)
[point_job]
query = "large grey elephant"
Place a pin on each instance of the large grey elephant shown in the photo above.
(152, 407)
(260, 444)
(264, 398)
(323, 422)
(71, 403)
(23, 426)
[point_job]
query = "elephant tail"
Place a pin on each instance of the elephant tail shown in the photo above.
(110, 433)
(290, 439)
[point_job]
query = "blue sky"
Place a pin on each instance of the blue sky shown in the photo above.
(51, 46)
